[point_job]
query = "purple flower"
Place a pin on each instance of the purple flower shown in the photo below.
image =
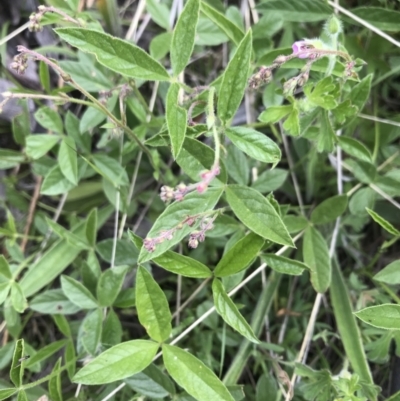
(300, 46)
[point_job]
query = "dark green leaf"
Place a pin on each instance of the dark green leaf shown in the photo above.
(176, 119)
(292, 123)
(237, 165)
(118, 362)
(5, 267)
(67, 160)
(257, 213)
(329, 210)
(77, 293)
(49, 119)
(55, 389)
(274, 114)
(53, 301)
(234, 33)
(354, 148)
(90, 331)
(230, 313)
(116, 54)
(18, 299)
(55, 183)
(112, 330)
(111, 169)
(17, 368)
(316, 256)
(91, 227)
(46, 352)
(234, 80)
(184, 35)
(270, 180)
(360, 93)
(284, 265)
(383, 223)
(255, 144)
(239, 256)
(152, 306)
(382, 18)
(194, 376)
(298, 11)
(110, 284)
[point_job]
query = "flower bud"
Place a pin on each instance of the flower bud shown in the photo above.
(280, 60)
(333, 26)
(193, 243)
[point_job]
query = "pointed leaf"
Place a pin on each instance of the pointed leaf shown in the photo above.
(17, 368)
(38, 145)
(18, 299)
(234, 80)
(116, 54)
(257, 213)
(329, 209)
(316, 256)
(355, 148)
(90, 331)
(176, 119)
(390, 274)
(239, 256)
(77, 293)
(255, 144)
(118, 362)
(49, 119)
(194, 376)
(110, 284)
(284, 265)
(183, 36)
(383, 223)
(67, 160)
(55, 183)
(152, 306)
(230, 313)
(5, 267)
(384, 316)
(91, 227)
(360, 93)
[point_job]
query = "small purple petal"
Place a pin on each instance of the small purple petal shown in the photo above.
(300, 46)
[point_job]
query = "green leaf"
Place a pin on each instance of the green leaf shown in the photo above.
(327, 137)
(194, 376)
(118, 362)
(183, 265)
(196, 157)
(354, 148)
(55, 183)
(44, 75)
(62, 232)
(90, 331)
(46, 352)
(152, 306)
(390, 274)
(193, 203)
(49, 119)
(18, 299)
(234, 80)
(7, 392)
(21, 125)
(232, 31)
(364, 198)
(184, 35)
(240, 256)
(284, 265)
(91, 227)
(237, 165)
(316, 256)
(384, 316)
(255, 144)
(160, 45)
(159, 13)
(116, 54)
(230, 313)
(360, 93)
(270, 180)
(67, 160)
(292, 123)
(382, 18)
(55, 389)
(62, 325)
(125, 254)
(5, 267)
(274, 114)
(53, 301)
(257, 213)
(17, 367)
(111, 169)
(110, 284)
(176, 119)
(112, 330)
(298, 11)
(151, 383)
(37, 145)
(329, 210)
(383, 223)
(77, 293)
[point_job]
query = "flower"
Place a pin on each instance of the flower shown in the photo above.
(300, 46)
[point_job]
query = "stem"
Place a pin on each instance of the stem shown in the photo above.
(211, 125)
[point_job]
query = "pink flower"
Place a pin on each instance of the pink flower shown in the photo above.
(300, 46)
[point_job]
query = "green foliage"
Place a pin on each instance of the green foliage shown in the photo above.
(185, 176)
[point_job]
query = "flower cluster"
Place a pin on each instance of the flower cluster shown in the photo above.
(196, 236)
(308, 49)
(20, 63)
(168, 194)
(36, 18)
